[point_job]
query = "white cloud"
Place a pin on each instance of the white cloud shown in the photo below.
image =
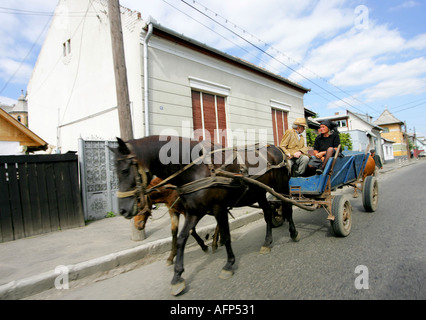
(395, 87)
(405, 5)
(20, 71)
(367, 71)
(335, 55)
(18, 33)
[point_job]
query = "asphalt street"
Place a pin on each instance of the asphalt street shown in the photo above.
(384, 257)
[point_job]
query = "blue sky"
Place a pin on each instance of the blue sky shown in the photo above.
(352, 54)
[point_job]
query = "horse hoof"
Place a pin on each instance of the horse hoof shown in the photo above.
(296, 238)
(169, 262)
(178, 288)
(265, 250)
(226, 274)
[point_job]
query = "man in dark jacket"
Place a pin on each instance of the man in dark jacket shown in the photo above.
(325, 146)
(376, 158)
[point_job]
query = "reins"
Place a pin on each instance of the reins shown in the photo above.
(219, 176)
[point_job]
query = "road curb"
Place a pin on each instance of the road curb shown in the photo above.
(19, 289)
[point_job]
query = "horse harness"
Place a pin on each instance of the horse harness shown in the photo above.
(219, 177)
(139, 192)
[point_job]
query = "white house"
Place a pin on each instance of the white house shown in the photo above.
(387, 146)
(175, 83)
(361, 129)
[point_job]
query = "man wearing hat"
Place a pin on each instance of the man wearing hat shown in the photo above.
(293, 145)
(325, 146)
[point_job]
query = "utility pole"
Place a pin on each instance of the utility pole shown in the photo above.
(122, 89)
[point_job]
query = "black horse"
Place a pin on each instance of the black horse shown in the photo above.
(201, 187)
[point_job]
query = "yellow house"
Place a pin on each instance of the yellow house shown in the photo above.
(392, 130)
(19, 110)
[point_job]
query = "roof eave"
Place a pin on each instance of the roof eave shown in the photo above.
(163, 30)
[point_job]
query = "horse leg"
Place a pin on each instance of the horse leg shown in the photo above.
(178, 283)
(215, 238)
(199, 240)
(288, 214)
(355, 195)
(267, 214)
(223, 224)
(174, 217)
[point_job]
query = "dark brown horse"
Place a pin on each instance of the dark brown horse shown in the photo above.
(171, 199)
(196, 170)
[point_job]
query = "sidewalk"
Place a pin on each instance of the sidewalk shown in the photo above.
(27, 266)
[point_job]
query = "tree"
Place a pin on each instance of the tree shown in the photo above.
(310, 137)
(345, 141)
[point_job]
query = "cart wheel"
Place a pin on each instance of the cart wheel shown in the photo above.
(370, 194)
(277, 217)
(341, 208)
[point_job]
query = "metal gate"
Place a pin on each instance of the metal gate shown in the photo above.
(99, 182)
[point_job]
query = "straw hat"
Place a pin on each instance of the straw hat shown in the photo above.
(300, 122)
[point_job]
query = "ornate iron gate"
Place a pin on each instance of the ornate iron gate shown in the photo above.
(98, 178)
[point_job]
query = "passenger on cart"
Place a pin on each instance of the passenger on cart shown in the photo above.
(293, 145)
(325, 146)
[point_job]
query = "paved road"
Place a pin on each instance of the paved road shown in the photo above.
(384, 257)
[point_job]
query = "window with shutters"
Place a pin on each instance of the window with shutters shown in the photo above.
(279, 124)
(209, 117)
(279, 112)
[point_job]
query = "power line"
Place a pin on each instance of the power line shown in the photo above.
(60, 56)
(20, 12)
(274, 58)
(25, 58)
(83, 21)
(415, 106)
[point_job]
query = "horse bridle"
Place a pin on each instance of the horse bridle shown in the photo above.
(139, 192)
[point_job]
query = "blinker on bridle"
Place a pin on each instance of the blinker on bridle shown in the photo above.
(141, 183)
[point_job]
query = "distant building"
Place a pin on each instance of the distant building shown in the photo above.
(392, 130)
(19, 110)
(15, 138)
(364, 133)
(387, 146)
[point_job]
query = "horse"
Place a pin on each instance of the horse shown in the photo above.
(369, 170)
(201, 187)
(171, 199)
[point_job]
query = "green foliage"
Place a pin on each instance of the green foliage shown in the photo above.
(411, 145)
(110, 214)
(310, 137)
(345, 141)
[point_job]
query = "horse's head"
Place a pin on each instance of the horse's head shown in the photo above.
(132, 183)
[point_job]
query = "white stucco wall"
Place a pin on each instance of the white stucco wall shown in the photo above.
(74, 96)
(10, 148)
(67, 91)
(248, 102)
